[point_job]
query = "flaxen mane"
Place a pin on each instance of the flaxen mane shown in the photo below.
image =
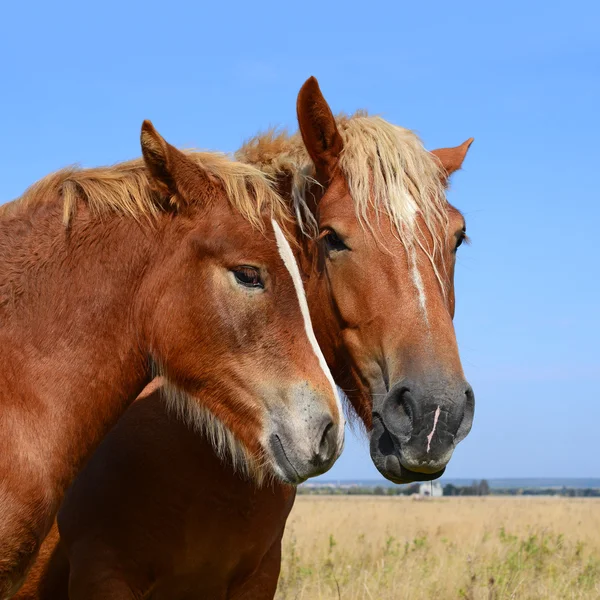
(386, 167)
(125, 188)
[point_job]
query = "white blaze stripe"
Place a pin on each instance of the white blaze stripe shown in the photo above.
(285, 251)
(418, 281)
(435, 420)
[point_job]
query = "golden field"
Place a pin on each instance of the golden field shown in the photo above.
(492, 548)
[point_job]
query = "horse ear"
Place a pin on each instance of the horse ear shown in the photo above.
(173, 174)
(319, 130)
(451, 159)
(156, 153)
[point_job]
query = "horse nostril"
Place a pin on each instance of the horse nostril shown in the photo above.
(327, 442)
(405, 413)
(470, 403)
(324, 445)
(399, 412)
(469, 394)
(467, 418)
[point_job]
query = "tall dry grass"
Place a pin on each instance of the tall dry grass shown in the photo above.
(490, 548)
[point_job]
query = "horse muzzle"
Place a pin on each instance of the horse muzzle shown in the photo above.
(417, 426)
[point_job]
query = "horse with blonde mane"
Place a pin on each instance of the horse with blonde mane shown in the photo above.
(176, 264)
(157, 513)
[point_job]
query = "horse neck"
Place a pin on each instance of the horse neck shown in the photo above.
(72, 362)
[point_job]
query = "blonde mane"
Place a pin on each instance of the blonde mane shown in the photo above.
(125, 188)
(386, 168)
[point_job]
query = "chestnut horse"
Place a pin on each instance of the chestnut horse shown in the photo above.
(378, 256)
(173, 264)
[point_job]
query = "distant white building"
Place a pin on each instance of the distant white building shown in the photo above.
(431, 489)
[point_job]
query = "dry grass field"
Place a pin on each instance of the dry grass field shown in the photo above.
(492, 548)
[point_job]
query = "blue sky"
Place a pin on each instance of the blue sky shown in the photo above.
(77, 80)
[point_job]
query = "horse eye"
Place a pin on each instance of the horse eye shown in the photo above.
(248, 277)
(333, 243)
(461, 238)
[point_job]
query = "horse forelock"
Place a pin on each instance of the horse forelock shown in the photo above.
(125, 188)
(281, 155)
(386, 168)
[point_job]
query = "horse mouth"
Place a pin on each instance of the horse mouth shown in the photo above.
(386, 453)
(286, 469)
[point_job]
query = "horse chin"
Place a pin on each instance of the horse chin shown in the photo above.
(386, 457)
(391, 468)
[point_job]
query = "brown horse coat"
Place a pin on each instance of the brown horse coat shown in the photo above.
(189, 535)
(108, 275)
(216, 530)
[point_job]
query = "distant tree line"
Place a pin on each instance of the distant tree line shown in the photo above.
(477, 488)
(356, 490)
(564, 491)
